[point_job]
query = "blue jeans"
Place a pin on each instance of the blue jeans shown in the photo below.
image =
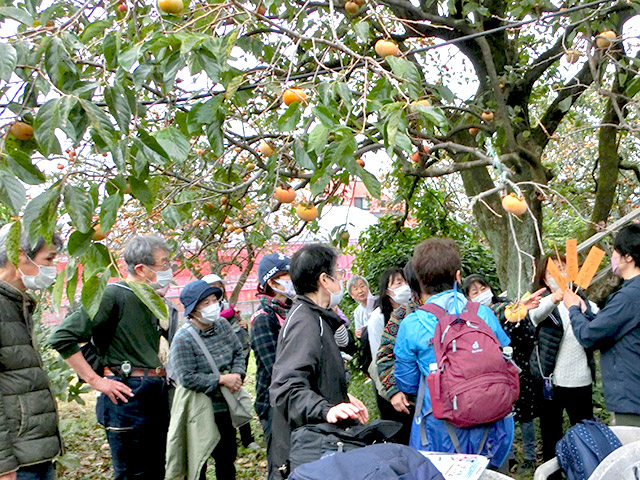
(528, 430)
(41, 471)
(137, 430)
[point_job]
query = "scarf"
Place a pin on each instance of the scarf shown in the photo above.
(280, 309)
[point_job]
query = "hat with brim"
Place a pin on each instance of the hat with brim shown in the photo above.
(193, 293)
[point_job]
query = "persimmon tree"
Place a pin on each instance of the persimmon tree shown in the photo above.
(145, 120)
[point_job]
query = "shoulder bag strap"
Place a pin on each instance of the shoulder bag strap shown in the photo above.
(204, 349)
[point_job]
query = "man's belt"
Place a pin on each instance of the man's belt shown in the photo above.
(136, 372)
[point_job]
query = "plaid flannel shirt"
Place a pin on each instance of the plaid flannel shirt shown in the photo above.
(385, 359)
(190, 365)
(264, 332)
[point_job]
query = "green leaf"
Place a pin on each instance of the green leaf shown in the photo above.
(174, 142)
(109, 210)
(362, 31)
(45, 124)
(92, 291)
(409, 72)
(341, 152)
(318, 138)
(41, 214)
(94, 29)
(12, 193)
(8, 61)
(58, 289)
(130, 56)
(301, 156)
(79, 243)
(328, 116)
(16, 14)
(118, 106)
(289, 120)
(20, 165)
(371, 182)
(216, 136)
(96, 259)
(12, 242)
(565, 104)
(150, 298)
(140, 190)
(79, 206)
(100, 121)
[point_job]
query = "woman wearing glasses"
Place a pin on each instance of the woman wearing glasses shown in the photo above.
(309, 384)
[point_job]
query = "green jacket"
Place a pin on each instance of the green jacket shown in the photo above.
(193, 434)
(28, 416)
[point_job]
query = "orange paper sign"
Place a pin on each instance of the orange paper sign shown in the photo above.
(589, 267)
(572, 259)
(554, 271)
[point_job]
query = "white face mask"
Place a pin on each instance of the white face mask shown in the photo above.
(484, 298)
(336, 298)
(163, 278)
(210, 313)
(553, 285)
(401, 295)
(43, 280)
(288, 290)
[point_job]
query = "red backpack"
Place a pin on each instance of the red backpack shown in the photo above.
(473, 384)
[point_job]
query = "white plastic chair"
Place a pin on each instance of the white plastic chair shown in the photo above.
(627, 435)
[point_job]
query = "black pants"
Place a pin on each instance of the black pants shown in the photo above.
(579, 406)
(226, 450)
(387, 412)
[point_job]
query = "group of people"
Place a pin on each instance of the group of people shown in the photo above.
(299, 337)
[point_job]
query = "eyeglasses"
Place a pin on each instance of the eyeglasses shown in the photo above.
(164, 266)
(340, 274)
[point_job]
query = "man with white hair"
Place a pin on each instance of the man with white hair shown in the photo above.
(29, 436)
(133, 403)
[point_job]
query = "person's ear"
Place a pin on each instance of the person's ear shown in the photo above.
(139, 269)
(458, 276)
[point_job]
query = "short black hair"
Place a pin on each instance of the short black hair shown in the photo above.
(308, 263)
(470, 280)
(627, 242)
(384, 299)
(412, 278)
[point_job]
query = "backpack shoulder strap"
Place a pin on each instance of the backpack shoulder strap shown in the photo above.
(434, 309)
(473, 307)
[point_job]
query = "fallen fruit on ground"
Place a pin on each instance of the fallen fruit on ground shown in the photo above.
(307, 213)
(284, 195)
(22, 131)
(512, 203)
(170, 6)
(384, 48)
(294, 95)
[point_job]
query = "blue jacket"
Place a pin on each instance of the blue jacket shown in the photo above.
(615, 331)
(414, 352)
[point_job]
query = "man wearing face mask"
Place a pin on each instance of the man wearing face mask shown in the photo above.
(309, 383)
(615, 330)
(275, 291)
(25, 395)
(202, 309)
(133, 403)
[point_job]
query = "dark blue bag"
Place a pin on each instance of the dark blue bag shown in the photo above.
(583, 447)
(384, 461)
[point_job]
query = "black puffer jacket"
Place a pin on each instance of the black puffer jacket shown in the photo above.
(308, 375)
(28, 416)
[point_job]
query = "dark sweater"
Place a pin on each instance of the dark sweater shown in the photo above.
(124, 329)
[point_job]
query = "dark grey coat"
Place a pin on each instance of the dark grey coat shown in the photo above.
(28, 417)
